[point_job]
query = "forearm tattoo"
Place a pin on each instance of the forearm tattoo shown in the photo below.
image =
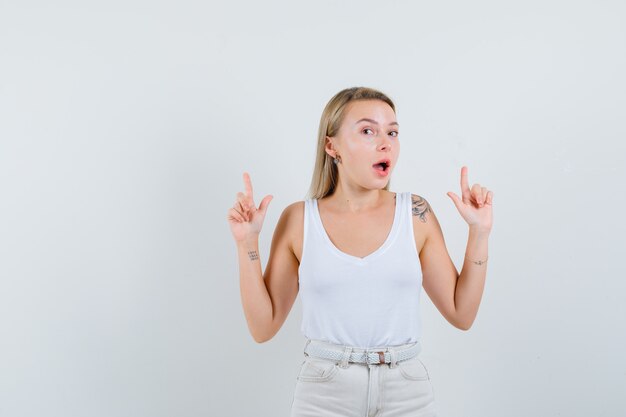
(253, 255)
(420, 207)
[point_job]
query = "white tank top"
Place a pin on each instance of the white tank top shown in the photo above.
(365, 302)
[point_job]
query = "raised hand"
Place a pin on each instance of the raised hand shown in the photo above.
(244, 217)
(476, 205)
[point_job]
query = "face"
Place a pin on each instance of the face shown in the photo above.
(369, 133)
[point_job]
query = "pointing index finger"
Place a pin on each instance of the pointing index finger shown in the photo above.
(248, 185)
(465, 190)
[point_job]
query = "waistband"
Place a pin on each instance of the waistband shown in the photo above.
(370, 356)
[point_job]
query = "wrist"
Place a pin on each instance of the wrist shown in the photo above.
(478, 261)
(252, 240)
(480, 229)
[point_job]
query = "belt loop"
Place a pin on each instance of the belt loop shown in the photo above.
(308, 341)
(347, 351)
(394, 358)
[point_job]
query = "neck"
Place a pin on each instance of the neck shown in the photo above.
(356, 200)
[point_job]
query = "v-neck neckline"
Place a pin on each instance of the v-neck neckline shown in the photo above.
(353, 258)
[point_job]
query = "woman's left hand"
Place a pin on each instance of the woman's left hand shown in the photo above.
(475, 207)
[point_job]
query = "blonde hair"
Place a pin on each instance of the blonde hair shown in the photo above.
(326, 173)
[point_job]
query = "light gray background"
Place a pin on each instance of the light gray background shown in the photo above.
(125, 129)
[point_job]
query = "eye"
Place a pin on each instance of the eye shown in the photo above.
(396, 133)
(367, 128)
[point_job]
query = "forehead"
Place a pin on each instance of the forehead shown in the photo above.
(370, 109)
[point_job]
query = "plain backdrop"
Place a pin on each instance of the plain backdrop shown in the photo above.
(126, 126)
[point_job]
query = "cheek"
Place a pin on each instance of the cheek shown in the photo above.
(359, 144)
(360, 151)
(396, 148)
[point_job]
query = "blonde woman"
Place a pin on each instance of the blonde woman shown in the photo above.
(358, 255)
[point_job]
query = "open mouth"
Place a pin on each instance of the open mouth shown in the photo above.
(383, 165)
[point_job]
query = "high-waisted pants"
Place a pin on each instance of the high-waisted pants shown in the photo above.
(330, 388)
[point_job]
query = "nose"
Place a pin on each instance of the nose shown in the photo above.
(385, 142)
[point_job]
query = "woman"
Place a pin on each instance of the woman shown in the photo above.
(358, 255)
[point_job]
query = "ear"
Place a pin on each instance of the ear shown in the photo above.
(329, 147)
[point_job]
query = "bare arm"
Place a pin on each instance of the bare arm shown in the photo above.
(268, 297)
(469, 288)
(257, 305)
(456, 296)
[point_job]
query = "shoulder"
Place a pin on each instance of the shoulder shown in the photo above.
(294, 210)
(421, 209)
(425, 223)
(421, 214)
(292, 221)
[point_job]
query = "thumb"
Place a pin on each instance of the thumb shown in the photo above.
(265, 203)
(455, 199)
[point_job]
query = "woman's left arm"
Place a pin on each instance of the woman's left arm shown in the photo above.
(457, 296)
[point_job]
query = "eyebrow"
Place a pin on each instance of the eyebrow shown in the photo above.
(374, 122)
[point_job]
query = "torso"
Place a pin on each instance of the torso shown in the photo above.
(357, 234)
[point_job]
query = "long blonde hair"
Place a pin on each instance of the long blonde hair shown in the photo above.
(326, 173)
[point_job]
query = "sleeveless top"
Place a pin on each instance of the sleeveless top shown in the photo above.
(365, 302)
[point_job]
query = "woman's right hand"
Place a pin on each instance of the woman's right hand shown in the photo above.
(244, 217)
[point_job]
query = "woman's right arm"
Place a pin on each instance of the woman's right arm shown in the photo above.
(266, 298)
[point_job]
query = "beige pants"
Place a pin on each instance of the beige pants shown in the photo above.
(324, 388)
